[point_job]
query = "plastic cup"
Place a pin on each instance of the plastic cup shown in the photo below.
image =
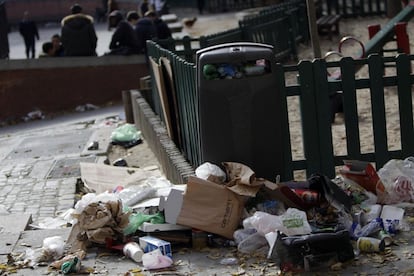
(133, 250)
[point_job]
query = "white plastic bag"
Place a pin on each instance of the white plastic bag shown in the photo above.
(292, 222)
(206, 169)
(54, 246)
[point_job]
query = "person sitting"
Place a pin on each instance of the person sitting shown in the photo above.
(48, 50)
(145, 30)
(161, 28)
(78, 33)
(124, 40)
(57, 45)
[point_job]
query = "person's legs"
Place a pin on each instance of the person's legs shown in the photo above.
(32, 48)
(27, 46)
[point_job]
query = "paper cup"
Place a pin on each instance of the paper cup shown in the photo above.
(133, 251)
(367, 244)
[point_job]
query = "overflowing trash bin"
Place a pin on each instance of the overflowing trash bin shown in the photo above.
(239, 107)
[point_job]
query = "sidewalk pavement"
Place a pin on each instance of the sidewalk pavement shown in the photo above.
(39, 167)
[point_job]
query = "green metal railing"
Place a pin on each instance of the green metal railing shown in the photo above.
(184, 78)
(313, 90)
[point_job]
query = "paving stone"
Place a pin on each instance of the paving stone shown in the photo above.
(14, 223)
(8, 241)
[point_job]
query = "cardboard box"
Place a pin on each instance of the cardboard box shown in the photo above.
(148, 244)
(206, 206)
(363, 174)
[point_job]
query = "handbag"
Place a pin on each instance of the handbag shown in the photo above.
(312, 251)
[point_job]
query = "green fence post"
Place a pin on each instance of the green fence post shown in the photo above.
(309, 118)
(376, 70)
(286, 144)
(405, 104)
(323, 112)
(353, 142)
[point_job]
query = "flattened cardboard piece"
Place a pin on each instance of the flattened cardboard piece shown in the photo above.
(210, 207)
(172, 98)
(101, 177)
(159, 81)
(172, 205)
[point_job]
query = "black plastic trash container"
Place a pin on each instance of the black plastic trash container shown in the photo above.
(239, 107)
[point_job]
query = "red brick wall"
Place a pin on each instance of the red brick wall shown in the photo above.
(58, 89)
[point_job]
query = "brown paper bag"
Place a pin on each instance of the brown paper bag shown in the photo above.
(210, 207)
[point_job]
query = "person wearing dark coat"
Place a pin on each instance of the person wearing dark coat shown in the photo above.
(78, 34)
(161, 28)
(124, 40)
(29, 32)
(145, 30)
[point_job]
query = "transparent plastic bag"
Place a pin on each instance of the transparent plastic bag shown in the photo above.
(137, 219)
(125, 133)
(241, 234)
(253, 243)
(397, 177)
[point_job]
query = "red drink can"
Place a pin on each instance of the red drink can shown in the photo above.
(308, 196)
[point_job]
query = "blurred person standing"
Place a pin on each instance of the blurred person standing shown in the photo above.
(144, 7)
(29, 32)
(78, 33)
(4, 31)
(159, 6)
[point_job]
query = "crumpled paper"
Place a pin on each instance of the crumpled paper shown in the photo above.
(98, 222)
(242, 179)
